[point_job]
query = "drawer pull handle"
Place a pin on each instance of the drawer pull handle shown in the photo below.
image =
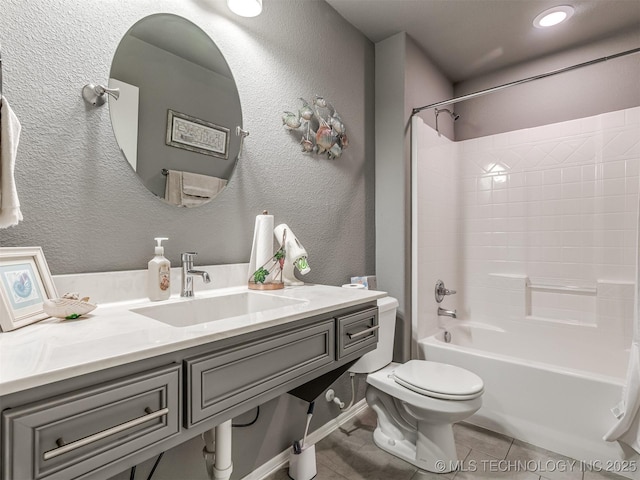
(64, 448)
(363, 332)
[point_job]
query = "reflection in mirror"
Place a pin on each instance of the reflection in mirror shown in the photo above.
(176, 118)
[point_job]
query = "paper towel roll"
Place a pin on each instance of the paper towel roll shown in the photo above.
(357, 286)
(262, 249)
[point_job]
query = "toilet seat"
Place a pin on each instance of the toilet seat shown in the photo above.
(438, 380)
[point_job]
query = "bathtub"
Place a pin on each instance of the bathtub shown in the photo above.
(546, 386)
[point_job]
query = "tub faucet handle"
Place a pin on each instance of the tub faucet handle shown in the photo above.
(441, 291)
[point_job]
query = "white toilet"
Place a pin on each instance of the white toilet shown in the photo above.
(417, 402)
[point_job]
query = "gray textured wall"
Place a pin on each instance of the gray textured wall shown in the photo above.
(391, 179)
(405, 78)
(425, 84)
(85, 207)
(89, 212)
(605, 87)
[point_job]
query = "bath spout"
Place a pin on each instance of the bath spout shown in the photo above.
(446, 313)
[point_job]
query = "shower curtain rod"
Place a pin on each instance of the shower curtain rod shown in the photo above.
(524, 80)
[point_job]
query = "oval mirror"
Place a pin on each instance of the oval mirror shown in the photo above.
(178, 110)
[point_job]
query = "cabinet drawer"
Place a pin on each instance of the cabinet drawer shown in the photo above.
(67, 436)
(224, 379)
(357, 331)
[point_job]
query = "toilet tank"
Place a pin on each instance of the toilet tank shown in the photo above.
(383, 354)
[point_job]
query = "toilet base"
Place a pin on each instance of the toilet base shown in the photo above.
(416, 428)
(431, 458)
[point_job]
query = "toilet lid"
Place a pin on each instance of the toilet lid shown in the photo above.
(439, 380)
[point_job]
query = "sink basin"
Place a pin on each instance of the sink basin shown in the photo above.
(205, 310)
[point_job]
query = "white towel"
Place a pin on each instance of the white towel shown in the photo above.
(10, 213)
(173, 187)
(626, 431)
(191, 189)
(204, 186)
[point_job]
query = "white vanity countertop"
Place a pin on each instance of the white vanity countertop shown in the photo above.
(112, 335)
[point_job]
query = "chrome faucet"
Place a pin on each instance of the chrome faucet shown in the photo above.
(188, 273)
(446, 313)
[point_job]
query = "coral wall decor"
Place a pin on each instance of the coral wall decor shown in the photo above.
(320, 127)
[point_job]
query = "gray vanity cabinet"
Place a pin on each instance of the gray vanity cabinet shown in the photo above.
(71, 435)
(82, 428)
(227, 378)
(357, 332)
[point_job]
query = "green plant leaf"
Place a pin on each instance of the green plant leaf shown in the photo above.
(260, 275)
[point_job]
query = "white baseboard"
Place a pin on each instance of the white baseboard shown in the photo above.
(280, 460)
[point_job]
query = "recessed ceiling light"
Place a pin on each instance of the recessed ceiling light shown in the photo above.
(245, 8)
(553, 16)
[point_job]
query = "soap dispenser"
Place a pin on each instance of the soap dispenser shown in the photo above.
(159, 283)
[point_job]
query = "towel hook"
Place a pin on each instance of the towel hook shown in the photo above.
(96, 95)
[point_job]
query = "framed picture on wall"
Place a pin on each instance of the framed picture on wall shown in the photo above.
(190, 133)
(25, 283)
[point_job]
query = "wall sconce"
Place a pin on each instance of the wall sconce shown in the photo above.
(245, 8)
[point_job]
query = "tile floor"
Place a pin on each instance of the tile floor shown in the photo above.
(350, 454)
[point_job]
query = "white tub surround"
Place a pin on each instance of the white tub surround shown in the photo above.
(113, 335)
(553, 206)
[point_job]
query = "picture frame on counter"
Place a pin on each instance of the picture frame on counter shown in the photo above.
(25, 283)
